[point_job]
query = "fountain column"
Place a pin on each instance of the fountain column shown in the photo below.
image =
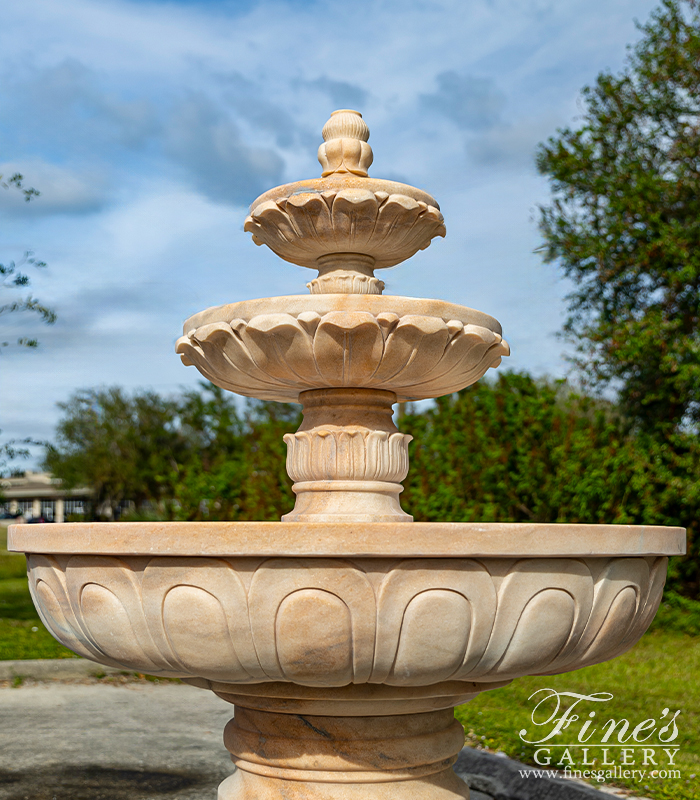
(347, 460)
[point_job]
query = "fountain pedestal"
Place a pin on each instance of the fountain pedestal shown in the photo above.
(347, 459)
(281, 755)
(345, 634)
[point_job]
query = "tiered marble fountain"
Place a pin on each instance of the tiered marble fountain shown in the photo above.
(346, 633)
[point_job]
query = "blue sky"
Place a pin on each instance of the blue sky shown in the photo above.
(149, 127)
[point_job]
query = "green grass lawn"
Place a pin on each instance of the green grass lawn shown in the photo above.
(662, 671)
(22, 634)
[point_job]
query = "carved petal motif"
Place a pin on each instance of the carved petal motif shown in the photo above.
(209, 593)
(409, 595)
(276, 356)
(335, 621)
(326, 610)
(388, 227)
(347, 347)
(627, 593)
(347, 456)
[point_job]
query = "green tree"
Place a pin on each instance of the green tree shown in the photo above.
(14, 276)
(190, 457)
(525, 450)
(243, 477)
(207, 484)
(518, 449)
(267, 488)
(127, 448)
(624, 223)
(16, 181)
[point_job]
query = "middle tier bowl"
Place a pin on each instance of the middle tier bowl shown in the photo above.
(274, 348)
(445, 604)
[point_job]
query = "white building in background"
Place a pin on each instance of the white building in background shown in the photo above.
(39, 494)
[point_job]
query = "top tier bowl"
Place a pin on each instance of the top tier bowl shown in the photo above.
(345, 219)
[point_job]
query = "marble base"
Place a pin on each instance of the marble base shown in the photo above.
(245, 786)
(342, 649)
(282, 756)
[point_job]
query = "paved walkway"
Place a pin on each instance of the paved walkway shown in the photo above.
(123, 740)
(133, 741)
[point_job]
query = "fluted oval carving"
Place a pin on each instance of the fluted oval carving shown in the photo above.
(347, 455)
(308, 225)
(435, 629)
(334, 621)
(207, 613)
(325, 646)
(277, 356)
(280, 578)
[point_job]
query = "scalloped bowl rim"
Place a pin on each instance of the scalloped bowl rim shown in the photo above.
(321, 304)
(339, 182)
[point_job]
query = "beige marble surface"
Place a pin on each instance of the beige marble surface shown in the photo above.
(274, 351)
(304, 226)
(342, 753)
(244, 785)
(296, 304)
(331, 622)
(346, 181)
(355, 699)
(347, 459)
(430, 539)
(345, 212)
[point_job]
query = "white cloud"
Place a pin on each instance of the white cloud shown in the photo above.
(208, 145)
(512, 145)
(473, 103)
(164, 120)
(61, 190)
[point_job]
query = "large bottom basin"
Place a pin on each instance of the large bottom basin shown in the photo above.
(319, 605)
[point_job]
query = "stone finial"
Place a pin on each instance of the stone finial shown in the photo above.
(345, 147)
(345, 124)
(345, 224)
